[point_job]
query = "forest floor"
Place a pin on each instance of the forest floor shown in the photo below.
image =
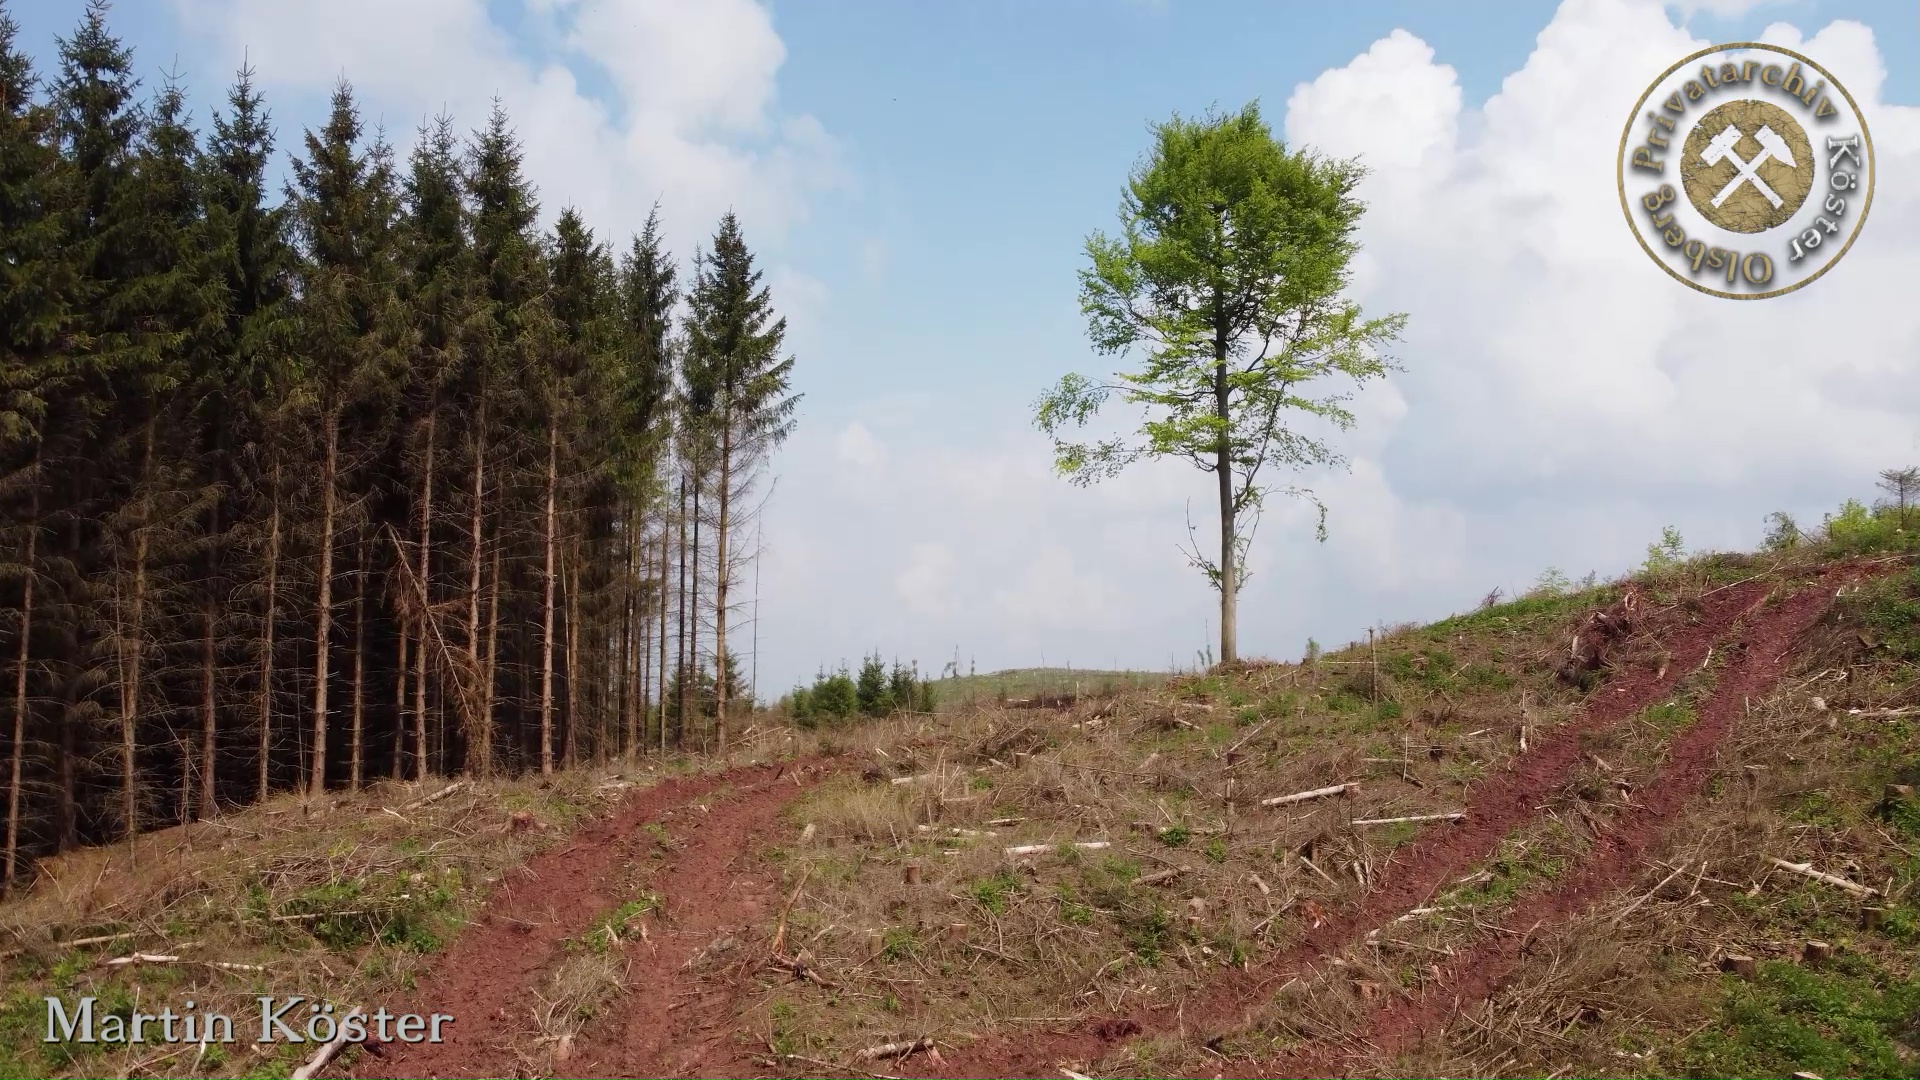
(1657, 827)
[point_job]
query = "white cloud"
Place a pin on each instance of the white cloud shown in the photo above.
(858, 447)
(1562, 399)
(693, 120)
(926, 585)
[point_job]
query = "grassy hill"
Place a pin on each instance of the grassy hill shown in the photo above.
(1658, 826)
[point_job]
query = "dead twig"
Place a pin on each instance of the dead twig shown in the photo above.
(1303, 796)
(326, 1053)
(1806, 870)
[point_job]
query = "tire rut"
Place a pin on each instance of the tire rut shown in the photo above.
(488, 977)
(1494, 807)
(1764, 652)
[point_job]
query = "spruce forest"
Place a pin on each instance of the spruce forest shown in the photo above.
(358, 475)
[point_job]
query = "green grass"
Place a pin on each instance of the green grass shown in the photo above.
(1850, 1020)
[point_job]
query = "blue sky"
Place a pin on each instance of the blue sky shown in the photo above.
(919, 179)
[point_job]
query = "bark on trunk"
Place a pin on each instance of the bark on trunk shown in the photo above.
(359, 665)
(209, 706)
(132, 643)
(400, 705)
(266, 633)
(680, 639)
(1223, 472)
(721, 576)
(546, 632)
(693, 647)
(421, 759)
(323, 608)
(493, 646)
(660, 690)
(21, 659)
(571, 577)
(480, 742)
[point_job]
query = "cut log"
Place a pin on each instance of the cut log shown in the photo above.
(1035, 849)
(1815, 951)
(326, 1053)
(894, 1049)
(1456, 816)
(436, 796)
(1303, 796)
(1806, 870)
(1743, 966)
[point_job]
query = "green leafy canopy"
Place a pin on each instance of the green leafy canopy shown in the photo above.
(1227, 282)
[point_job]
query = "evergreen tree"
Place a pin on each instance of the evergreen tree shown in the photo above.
(734, 343)
(344, 210)
(35, 291)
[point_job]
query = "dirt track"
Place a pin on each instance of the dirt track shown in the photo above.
(1762, 656)
(489, 976)
(1494, 807)
(670, 1021)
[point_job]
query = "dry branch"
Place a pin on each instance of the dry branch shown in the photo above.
(325, 1054)
(894, 1049)
(436, 796)
(1455, 816)
(1303, 796)
(1807, 870)
(1035, 849)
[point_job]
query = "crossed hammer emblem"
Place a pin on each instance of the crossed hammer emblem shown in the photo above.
(1772, 147)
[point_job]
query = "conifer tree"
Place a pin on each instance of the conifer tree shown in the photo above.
(734, 342)
(344, 207)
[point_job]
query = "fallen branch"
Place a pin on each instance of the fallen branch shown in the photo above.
(140, 958)
(1411, 818)
(436, 796)
(780, 935)
(77, 943)
(325, 1054)
(1807, 870)
(1303, 796)
(1249, 736)
(1649, 893)
(802, 970)
(894, 1049)
(1159, 876)
(1035, 849)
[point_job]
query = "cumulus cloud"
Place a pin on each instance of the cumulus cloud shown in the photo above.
(617, 102)
(1562, 398)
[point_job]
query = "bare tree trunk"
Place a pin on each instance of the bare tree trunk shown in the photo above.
(480, 743)
(20, 688)
(209, 707)
(266, 650)
(421, 760)
(1223, 471)
(400, 705)
(640, 640)
(323, 613)
(493, 646)
(571, 575)
(660, 691)
(359, 663)
(693, 603)
(132, 639)
(546, 633)
(680, 728)
(631, 680)
(721, 575)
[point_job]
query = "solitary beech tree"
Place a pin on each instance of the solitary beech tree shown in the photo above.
(1229, 276)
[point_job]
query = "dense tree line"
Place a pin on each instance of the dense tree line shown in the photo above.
(366, 477)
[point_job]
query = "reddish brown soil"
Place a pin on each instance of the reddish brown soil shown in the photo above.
(671, 1021)
(488, 977)
(1762, 656)
(1494, 807)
